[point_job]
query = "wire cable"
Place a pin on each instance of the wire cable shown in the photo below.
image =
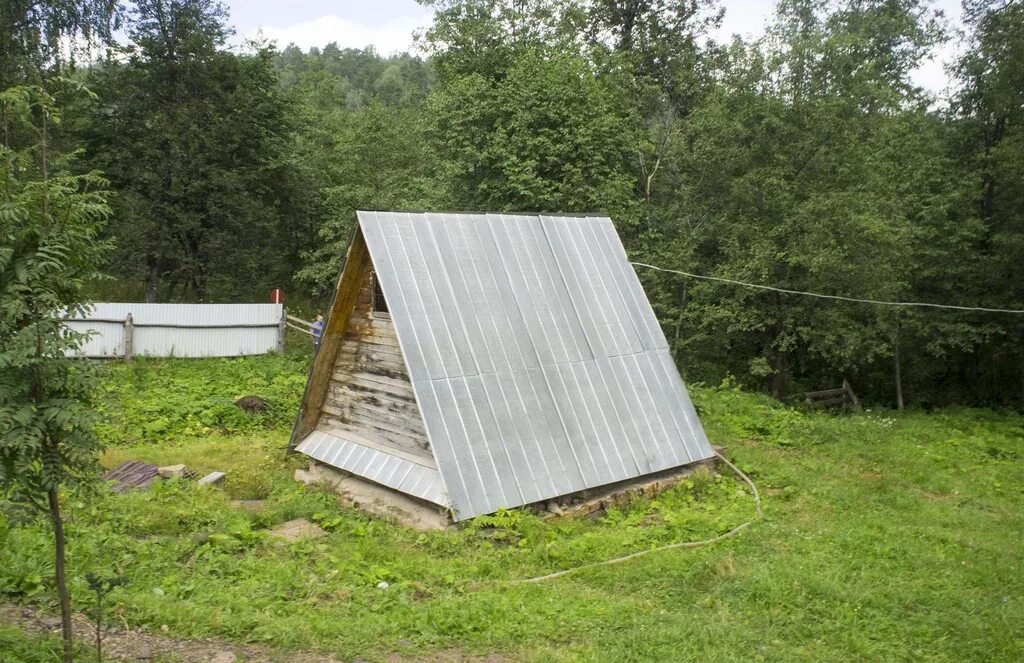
(684, 544)
(822, 296)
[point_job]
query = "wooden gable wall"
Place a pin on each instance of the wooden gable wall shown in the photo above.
(369, 397)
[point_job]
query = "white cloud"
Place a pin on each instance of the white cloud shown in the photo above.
(393, 37)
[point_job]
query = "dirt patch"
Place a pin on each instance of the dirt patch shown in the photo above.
(300, 528)
(252, 404)
(121, 643)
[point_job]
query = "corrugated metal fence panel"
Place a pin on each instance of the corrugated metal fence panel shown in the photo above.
(107, 341)
(204, 341)
(190, 315)
(181, 330)
(538, 364)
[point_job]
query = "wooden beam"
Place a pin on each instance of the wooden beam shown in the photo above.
(281, 330)
(853, 396)
(357, 265)
(129, 337)
(839, 391)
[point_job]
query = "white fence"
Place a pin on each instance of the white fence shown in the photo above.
(181, 330)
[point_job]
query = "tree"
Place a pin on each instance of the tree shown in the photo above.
(548, 136)
(39, 35)
(812, 167)
(989, 120)
(375, 158)
(194, 139)
(484, 37)
(50, 223)
(659, 41)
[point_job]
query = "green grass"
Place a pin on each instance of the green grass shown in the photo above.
(254, 463)
(153, 400)
(16, 646)
(886, 537)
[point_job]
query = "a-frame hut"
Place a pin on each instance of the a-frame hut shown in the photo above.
(486, 361)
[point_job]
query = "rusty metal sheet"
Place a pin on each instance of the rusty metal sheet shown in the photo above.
(131, 474)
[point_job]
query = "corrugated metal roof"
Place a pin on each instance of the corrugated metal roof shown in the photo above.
(539, 367)
(383, 468)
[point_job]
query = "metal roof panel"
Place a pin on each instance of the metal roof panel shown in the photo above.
(538, 364)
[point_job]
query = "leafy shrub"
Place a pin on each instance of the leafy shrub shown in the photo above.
(152, 400)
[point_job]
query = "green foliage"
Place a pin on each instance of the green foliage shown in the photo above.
(44, 37)
(16, 646)
(806, 159)
(545, 137)
(375, 158)
(194, 139)
(50, 222)
(149, 400)
(250, 475)
(882, 531)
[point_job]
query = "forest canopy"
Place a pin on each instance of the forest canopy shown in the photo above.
(806, 159)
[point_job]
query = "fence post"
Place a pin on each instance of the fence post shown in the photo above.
(853, 396)
(129, 337)
(281, 327)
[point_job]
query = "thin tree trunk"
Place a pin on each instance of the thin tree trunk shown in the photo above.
(779, 375)
(152, 280)
(896, 372)
(62, 583)
(1022, 384)
(1021, 364)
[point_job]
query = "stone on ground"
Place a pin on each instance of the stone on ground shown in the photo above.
(293, 530)
(212, 479)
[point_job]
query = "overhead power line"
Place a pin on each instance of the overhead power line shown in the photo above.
(822, 296)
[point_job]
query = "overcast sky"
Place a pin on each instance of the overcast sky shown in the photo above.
(388, 25)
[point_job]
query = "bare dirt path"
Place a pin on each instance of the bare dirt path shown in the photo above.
(121, 643)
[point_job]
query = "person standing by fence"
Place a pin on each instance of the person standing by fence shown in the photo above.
(316, 330)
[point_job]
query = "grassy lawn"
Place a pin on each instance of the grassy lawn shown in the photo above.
(886, 537)
(19, 647)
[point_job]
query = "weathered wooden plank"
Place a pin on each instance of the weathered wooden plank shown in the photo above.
(340, 391)
(826, 392)
(383, 422)
(348, 390)
(381, 324)
(377, 389)
(373, 359)
(357, 346)
(372, 328)
(386, 420)
(357, 265)
(368, 393)
(389, 379)
(344, 390)
(400, 421)
(374, 404)
(385, 439)
(380, 343)
(853, 396)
